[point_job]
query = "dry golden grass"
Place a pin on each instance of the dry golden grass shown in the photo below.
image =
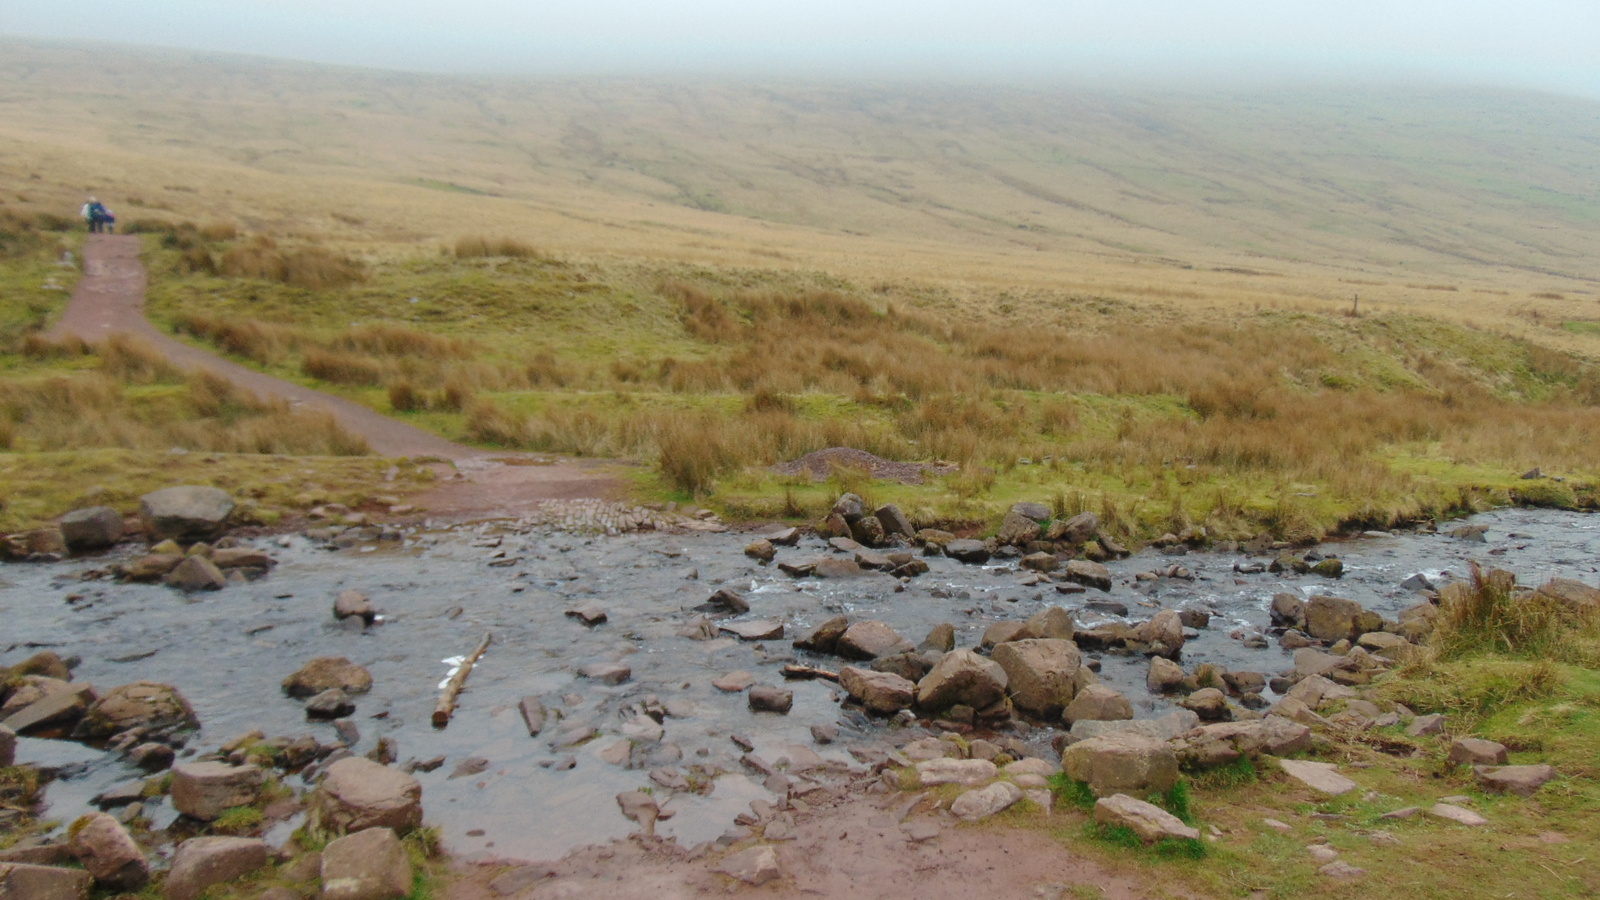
(478, 246)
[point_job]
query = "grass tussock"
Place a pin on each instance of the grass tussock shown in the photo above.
(478, 246)
(1488, 614)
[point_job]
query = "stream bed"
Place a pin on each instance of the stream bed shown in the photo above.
(441, 589)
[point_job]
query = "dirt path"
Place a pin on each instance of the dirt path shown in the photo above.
(110, 300)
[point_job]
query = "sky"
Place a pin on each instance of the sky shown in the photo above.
(1548, 44)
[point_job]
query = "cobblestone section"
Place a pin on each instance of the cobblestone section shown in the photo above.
(611, 518)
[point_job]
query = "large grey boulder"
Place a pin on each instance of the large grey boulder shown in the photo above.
(1097, 702)
(1053, 622)
(967, 551)
(1162, 635)
(28, 882)
(367, 865)
(1088, 574)
(205, 861)
(1150, 822)
(1477, 752)
(94, 528)
(1337, 619)
(204, 790)
(44, 702)
(870, 639)
(187, 513)
(326, 672)
(148, 705)
(984, 802)
(1018, 530)
(1120, 763)
(880, 692)
(109, 853)
(894, 521)
(963, 677)
(1288, 610)
(1041, 673)
(359, 793)
(1164, 728)
(1076, 531)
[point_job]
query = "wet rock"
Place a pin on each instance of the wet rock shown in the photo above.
(894, 521)
(699, 629)
(109, 853)
(329, 705)
(94, 528)
(769, 698)
(783, 537)
(797, 570)
(366, 865)
(1337, 619)
(870, 639)
(1477, 752)
(727, 602)
(943, 770)
(1041, 674)
(967, 551)
(56, 704)
(845, 545)
(761, 550)
(979, 804)
(910, 666)
(1164, 676)
(152, 567)
(31, 882)
(1122, 762)
(1150, 822)
(1109, 607)
(734, 682)
(1524, 781)
(963, 677)
(1018, 530)
(533, 715)
(195, 573)
(606, 672)
(1459, 815)
(872, 559)
(1053, 622)
(824, 734)
(1162, 635)
(825, 637)
(1088, 574)
(354, 604)
(639, 807)
(867, 531)
(942, 639)
(753, 865)
(326, 672)
(359, 793)
(1000, 632)
(880, 692)
(204, 790)
(1075, 531)
(1097, 702)
(186, 513)
(1288, 562)
(754, 630)
(1321, 777)
(147, 705)
(1210, 704)
(241, 558)
(590, 613)
(1475, 533)
(1329, 568)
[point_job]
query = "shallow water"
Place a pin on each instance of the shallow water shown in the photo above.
(229, 651)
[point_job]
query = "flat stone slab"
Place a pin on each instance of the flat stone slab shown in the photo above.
(1524, 781)
(734, 682)
(1321, 777)
(757, 630)
(1452, 813)
(956, 771)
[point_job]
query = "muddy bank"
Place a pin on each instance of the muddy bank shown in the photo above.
(505, 795)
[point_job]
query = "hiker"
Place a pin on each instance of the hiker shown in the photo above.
(98, 218)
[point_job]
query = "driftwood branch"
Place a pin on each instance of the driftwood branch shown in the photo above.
(793, 671)
(447, 700)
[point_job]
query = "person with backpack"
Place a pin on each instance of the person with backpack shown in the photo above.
(98, 218)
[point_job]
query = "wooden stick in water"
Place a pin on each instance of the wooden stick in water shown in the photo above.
(447, 700)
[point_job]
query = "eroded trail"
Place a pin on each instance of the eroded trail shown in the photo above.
(110, 300)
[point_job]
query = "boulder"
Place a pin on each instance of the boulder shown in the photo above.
(55, 704)
(880, 692)
(195, 573)
(1075, 531)
(205, 861)
(761, 550)
(366, 865)
(28, 882)
(358, 794)
(870, 639)
(1041, 562)
(606, 672)
(752, 865)
(152, 567)
(204, 790)
(1162, 635)
(1577, 597)
(146, 705)
(984, 802)
(1210, 704)
(1288, 611)
(1524, 781)
(849, 507)
(825, 637)
(1053, 622)
(1423, 726)
(1018, 530)
(754, 630)
(962, 677)
(942, 770)
(187, 513)
(1224, 742)
(109, 853)
(94, 528)
(242, 558)
(769, 698)
(329, 705)
(1000, 632)
(1337, 619)
(1088, 574)
(1164, 728)
(327, 672)
(967, 551)
(1314, 691)
(1041, 673)
(1097, 702)
(1477, 752)
(356, 605)
(1164, 677)
(1150, 822)
(1120, 763)
(941, 639)
(894, 521)
(867, 531)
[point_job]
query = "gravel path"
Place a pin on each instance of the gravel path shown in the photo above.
(110, 300)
